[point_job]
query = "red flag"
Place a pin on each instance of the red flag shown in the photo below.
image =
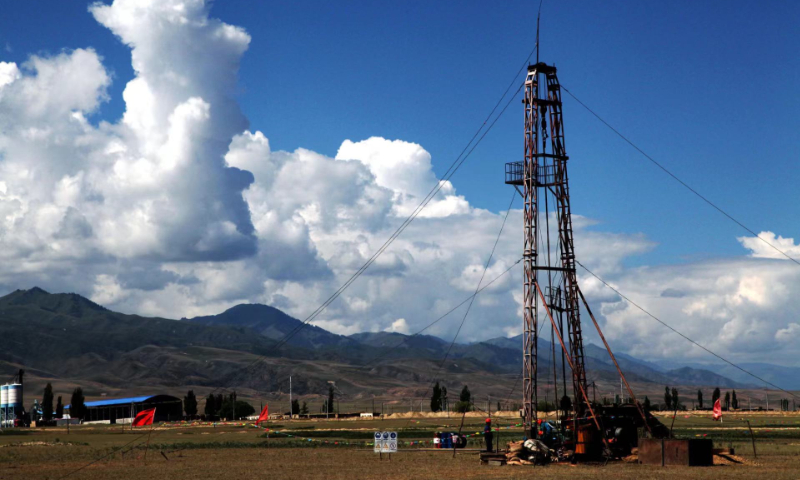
(144, 418)
(264, 415)
(717, 410)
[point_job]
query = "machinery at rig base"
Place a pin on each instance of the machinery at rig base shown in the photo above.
(621, 429)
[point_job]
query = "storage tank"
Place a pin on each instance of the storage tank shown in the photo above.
(15, 397)
(3, 396)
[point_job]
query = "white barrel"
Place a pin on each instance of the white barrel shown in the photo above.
(15, 395)
(3, 396)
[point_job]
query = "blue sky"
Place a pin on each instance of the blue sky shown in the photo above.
(708, 88)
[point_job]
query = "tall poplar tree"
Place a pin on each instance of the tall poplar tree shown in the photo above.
(715, 396)
(77, 407)
(47, 403)
(436, 398)
(190, 404)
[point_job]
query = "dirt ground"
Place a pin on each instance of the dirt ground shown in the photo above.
(341, 450)
(329, 463)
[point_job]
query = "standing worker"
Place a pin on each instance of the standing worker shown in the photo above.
(487, 433)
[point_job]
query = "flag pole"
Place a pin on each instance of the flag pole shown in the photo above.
(153, 425)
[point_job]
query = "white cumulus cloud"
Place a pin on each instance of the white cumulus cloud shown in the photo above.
(399, 326)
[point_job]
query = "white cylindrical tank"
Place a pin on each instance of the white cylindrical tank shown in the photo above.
(15, 395)
(3, 396)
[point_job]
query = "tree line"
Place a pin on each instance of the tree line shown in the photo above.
(672, 400)
(219, 406)
(440, 401)
(49, 412)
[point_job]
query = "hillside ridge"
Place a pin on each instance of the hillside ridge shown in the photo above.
(80, 340)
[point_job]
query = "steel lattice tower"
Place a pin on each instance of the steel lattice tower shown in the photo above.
(545, 188)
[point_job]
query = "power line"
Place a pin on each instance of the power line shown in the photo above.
(681, 334)
(386, 353)
(477, 287)
(112, 452)
(482, 288)
(452, 169)
(396, 234)
(450, 172)
(383, 355)
(677, 179)
(462, 157)
(472, 299)
(457, 163)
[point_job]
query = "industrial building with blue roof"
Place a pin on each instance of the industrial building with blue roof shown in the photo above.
(122, 410)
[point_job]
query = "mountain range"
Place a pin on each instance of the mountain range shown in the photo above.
(69, 340)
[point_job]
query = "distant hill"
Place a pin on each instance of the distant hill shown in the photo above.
(274, 324)
(70, 340)
(400, 341)
(506, 342)
(68, 335)
(785, 377)
(64, 303)
(597, 359)
(694, 376)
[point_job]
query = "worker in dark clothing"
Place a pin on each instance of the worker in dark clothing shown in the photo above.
(487, 433)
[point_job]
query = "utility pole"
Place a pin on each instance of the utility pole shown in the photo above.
(332, 399)
(291, 405)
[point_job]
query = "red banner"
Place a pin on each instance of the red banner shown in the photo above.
(144, 418)
(264, 415)
(717, 410)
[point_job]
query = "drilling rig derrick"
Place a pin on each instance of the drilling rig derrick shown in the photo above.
(543, 179)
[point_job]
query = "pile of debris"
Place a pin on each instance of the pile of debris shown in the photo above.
(529, 452)
(633, 457)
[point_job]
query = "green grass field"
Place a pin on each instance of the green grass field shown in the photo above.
(340, 449)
